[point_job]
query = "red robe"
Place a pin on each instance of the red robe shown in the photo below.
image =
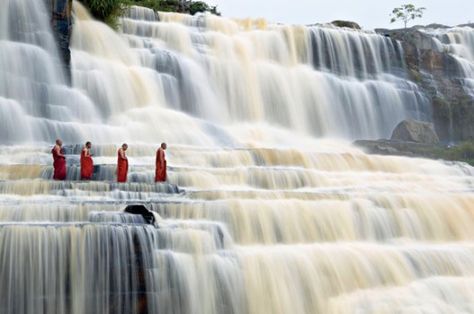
(87, 166)
(122, 168)
(160, 172)
(59, 165)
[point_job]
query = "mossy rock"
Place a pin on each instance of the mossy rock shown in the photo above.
(463, 151)
(347, 24)
(415, 131)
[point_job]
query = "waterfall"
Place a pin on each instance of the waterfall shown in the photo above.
(267, 209)
(218, 70)
(459, 42)
(303, 78)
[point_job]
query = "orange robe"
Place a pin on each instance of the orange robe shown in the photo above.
(122, 168)
(59, 165)
(160, 172)
(87, 165)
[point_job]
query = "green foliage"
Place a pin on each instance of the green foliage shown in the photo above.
(464, 152)
(198, 6)
(109, 10)
(159, 5)
(104, 9)
(406, 13)
(191, 7)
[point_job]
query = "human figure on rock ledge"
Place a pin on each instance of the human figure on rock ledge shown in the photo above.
(59, 163)
(160, 172)
(87, 164)
(122, 164)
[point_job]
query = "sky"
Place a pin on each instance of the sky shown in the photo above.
(369, 14)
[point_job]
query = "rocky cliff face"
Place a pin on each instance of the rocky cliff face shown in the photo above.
(61, 23)
(441, 73)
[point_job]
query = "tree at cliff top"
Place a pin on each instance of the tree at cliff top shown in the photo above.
(109, 10)
(183, 6)
(406, 13)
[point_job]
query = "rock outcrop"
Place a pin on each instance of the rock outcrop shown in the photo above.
(432, 67)
(398, 148)
(348, 24)
(413, 138)
(61, 23)
(415, 131)
(141, 210)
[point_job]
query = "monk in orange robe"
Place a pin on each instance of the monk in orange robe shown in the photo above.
(122, 164)
(160, 172)
(87, 164)
(59, 163)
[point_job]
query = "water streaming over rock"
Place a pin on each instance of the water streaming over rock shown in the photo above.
(268, 218)
(459, 42)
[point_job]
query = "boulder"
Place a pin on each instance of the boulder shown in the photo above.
(143, 211)
(415, 131)
(348, 24)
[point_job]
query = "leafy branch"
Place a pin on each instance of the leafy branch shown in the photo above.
(406, 13)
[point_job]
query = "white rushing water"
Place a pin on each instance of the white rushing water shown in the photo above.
(275, 211)
(459, 42)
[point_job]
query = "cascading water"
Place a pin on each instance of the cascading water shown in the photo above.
(459, 42)
(268, 218)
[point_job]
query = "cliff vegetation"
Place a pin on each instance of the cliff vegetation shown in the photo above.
(109, 10)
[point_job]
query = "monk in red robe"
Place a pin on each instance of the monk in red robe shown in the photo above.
(59, 163)
(122, 164)
(160, 172)
(87, 164)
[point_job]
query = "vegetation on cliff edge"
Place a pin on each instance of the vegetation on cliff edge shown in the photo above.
(406, 13)
(109, 10)
(464, 151)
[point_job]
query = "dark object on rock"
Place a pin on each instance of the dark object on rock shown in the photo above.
(415, 131)
(143, 211)
(348, 24)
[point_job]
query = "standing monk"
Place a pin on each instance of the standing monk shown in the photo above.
(122, 164)
(160, 173)
(87, 164)
(59, 163)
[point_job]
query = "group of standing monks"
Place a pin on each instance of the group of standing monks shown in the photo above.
(87, 164)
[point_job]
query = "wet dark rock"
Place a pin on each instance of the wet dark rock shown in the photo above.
(438, 75)
(61, 23)
(462, 152)
(399, 148)
(347, 24)
(142, 211)
(415, 131)
(435, 26)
